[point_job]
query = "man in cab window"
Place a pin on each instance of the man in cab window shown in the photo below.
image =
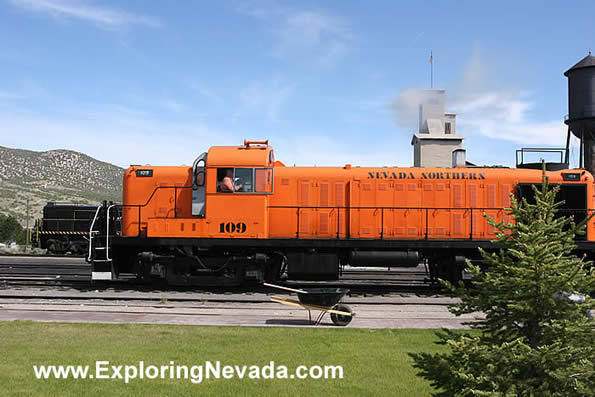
(227, 184)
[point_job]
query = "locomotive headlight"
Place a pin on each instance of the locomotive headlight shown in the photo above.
(571, 176)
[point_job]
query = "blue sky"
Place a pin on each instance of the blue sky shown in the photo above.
(137, 82)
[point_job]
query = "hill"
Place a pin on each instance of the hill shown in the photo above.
(55, 175)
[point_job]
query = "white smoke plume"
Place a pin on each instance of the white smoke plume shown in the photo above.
(406, 106)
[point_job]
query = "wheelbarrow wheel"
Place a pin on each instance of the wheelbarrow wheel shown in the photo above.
(339, 319)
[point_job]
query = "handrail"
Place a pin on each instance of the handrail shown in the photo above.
(339, 208)
(520, 153)
(140, 206)
(425, 209)
(389, 208)
(153, 193)
(91, 232)
(107, 232)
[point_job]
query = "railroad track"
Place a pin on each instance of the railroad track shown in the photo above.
(70, 271)
(368, 288)
(132, 296)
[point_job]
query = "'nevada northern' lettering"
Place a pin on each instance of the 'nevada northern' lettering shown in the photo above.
(426, 175)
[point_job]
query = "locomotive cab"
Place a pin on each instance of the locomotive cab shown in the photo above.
(188, 201)
(239, 181)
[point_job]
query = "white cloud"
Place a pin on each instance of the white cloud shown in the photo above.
(266, 98)
(312, 34)
(315, 34)
(487, 107)
(103, 16)
(504, 115)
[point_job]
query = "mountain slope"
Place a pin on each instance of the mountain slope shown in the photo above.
(55, 175)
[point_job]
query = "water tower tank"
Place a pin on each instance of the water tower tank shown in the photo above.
(581, 98)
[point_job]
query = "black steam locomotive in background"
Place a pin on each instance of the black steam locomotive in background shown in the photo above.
(64, 228)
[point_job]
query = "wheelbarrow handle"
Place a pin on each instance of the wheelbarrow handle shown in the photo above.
(297, 291)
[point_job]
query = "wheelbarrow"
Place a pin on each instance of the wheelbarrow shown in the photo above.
(325, 300)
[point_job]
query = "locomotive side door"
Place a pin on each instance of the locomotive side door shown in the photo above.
(199, 191)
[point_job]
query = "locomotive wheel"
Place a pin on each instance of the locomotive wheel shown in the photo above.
(273, 272)
(447, 269)
(142, 272)
(339, 319)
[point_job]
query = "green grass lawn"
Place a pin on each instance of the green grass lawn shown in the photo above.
(375, 362)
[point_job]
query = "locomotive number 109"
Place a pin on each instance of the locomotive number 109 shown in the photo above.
(231, 227)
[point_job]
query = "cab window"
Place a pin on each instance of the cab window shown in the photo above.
(245, 180)
(263, 180)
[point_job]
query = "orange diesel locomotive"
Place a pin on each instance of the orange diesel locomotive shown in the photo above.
(238, 215)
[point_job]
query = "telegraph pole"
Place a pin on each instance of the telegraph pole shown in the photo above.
(27, 229)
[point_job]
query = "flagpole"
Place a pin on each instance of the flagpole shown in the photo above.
(431, 70)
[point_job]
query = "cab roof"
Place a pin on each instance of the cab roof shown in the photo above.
(251, 154)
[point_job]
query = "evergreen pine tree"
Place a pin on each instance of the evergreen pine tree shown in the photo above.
(11, 230)
(537, 334)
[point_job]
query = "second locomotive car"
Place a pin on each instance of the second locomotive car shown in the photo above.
(64, 228)
(187, 226)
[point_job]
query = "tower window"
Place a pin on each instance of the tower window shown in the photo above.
(447, 128)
